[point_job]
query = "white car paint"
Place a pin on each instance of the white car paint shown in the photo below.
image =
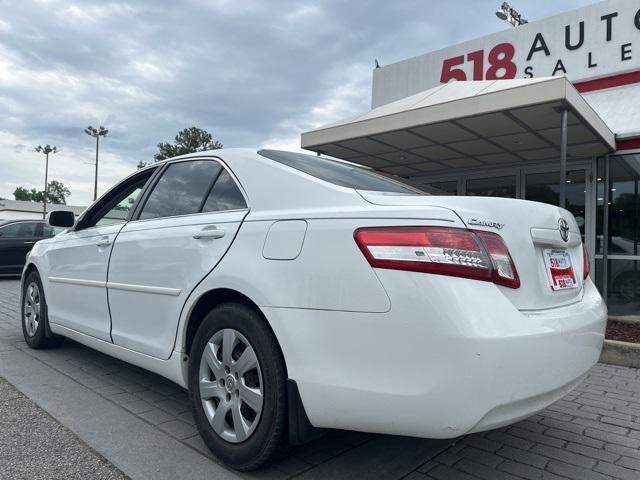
(371, 349)
(153, 253)
(76, 265)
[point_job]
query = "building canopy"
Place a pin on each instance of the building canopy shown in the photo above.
(465, 125)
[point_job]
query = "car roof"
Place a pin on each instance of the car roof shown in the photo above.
(270, 185)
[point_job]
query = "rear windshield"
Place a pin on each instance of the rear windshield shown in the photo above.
(340, 173)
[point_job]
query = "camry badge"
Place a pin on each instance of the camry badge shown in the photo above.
(485, 223)
(563, 226)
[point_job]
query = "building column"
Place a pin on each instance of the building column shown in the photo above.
(605, 227)
(563, 158)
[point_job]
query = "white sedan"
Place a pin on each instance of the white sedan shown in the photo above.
(287, 292)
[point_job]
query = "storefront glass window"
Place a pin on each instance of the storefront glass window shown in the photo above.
(492, 187)
(623, 289)
(545, 188)
(624, 210)
(441, 188)
(624, 205)
(623, 264)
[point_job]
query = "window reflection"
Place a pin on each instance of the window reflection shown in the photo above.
(624, 205)
(623, 289)
(545, 188)
(492, 187)
(441, 188)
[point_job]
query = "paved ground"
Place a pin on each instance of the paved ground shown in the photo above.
(35, 446)
(141, 423)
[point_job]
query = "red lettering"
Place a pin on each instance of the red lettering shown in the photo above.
(450, 73)
(501, 62)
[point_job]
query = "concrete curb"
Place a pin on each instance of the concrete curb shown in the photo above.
(632, 319)
(621, 353)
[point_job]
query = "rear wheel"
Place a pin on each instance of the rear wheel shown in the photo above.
(237, 386)
(35, 327)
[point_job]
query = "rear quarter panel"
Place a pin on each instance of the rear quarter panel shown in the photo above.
(329, 274)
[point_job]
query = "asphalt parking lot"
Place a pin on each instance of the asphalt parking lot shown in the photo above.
(141, 424)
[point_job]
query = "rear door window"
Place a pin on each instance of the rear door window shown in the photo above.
(182, 189)
(225, 195)
(341, 173)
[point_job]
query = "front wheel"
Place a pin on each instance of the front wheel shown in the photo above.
(35, 328)
(237, 386)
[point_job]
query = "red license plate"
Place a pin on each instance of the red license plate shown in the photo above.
(559, 270)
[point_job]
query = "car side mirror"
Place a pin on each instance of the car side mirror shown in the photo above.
(61, 218)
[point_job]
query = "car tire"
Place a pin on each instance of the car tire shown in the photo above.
(235, 364)
(35, 321)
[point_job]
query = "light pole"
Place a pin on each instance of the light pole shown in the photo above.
(97, 133)
(46, 150)
(510, 15)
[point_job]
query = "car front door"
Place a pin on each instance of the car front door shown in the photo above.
(16, 239)
(182, 230)
(77, 262)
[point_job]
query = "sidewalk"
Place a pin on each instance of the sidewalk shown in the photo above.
(33, 445)
(141, 423)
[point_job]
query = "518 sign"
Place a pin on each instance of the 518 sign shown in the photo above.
(500, 66)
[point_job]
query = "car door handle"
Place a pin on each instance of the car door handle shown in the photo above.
(29, 243)
(104, 242)
(210, 231)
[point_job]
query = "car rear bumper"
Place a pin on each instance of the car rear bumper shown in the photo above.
(460, 359)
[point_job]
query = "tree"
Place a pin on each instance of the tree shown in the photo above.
(189, 140)
(23, 194)
(57, 193)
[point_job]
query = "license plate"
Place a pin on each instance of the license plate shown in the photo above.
(559, 269)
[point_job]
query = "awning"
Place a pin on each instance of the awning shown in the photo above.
(468, 124)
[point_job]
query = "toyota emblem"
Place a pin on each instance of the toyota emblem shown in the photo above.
(563, 226)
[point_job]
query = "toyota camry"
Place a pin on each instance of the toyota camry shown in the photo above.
(290, 293)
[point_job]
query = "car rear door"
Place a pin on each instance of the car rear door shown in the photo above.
(183, 229)
(16, 240)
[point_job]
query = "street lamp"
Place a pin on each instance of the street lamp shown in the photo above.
(510, 15)
(97, 133)
(46, 150)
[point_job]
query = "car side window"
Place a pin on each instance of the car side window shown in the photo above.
(49, 231)
(115, 206)
(182, 189)
(20, 230)
(120, 211)
(225, 195)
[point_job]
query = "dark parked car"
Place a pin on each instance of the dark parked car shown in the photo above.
(17, 238)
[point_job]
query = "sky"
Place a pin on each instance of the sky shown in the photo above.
(254, 73)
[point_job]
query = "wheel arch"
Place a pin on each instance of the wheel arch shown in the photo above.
(299, 428)
(211, 299)
(31, 267)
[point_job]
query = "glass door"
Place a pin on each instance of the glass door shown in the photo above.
(623, 252)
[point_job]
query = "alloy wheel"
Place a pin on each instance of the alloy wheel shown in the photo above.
(32, 309)
(230, 385)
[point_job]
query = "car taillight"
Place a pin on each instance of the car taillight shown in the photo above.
(450, 251)
(585, 262)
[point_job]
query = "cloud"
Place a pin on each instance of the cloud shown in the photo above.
(252, 72)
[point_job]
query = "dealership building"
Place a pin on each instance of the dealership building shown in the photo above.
(547, 111)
